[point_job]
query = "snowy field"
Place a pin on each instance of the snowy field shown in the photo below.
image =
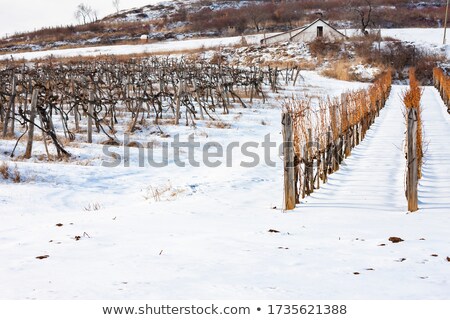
(164, 47)
(429, 39)
(219, 233)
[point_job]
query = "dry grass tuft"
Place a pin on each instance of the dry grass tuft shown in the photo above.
(163, 192)
(95, 206)
(4, 170)
(167, 121)
(307, 65)
(219, 124)
(16, 175)
(339, 70)
(246, 94)
(135, 144)
(110, 142)
(6, 174)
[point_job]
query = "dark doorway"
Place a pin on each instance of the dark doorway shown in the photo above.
(320, 32)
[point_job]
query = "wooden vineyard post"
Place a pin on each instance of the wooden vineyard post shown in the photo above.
(202, 117)
(335, 156)
(310, 162)
(29, 147)
(412, 175)
(318, 167)
(326, 158)
(90, 115)
(357, 126)
(13, 105)
(179, 92)
(289, 170)
(76, 118)
(348, 147)
(75, 108)
(346, 134)
(297, 179)
(324, 164)
(340, 149)
(9, 114)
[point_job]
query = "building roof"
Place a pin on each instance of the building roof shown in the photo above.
(299, 30)
(326, 24)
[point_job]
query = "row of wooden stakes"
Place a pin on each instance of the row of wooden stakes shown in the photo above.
(442, 83)
(316, 142)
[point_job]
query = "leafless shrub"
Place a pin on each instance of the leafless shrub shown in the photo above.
(95, 206)
(399, 56)
(324, 48)
(424, 68)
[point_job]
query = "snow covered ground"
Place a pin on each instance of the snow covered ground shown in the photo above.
(432, 36)
(429, 39)
(165, 47)
(433, 187)
(205, 234)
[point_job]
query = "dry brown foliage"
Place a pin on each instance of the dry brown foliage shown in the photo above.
(6, 173)
(325, 133)
(333, 115)
(442, 83)
(411, 100)
(218, 124)
(339, 70)
(4, 170)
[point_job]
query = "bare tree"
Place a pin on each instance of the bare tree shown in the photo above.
(94, 15)
(364, 11)
(80, 13)
(85, 14)
(257, 14)
(116, 4)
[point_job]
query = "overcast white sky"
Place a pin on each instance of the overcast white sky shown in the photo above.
(27, 15)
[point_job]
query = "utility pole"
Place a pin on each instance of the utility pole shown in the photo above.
(445, 23)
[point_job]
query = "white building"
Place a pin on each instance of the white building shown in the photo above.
(308, 33)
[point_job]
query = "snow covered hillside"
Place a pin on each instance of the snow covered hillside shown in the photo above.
(167, 47)
(428, 39)
(165, 9)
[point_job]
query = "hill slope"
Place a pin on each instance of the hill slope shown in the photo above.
(180, 19)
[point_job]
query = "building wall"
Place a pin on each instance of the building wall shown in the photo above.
(308, 35)
(282, 37)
